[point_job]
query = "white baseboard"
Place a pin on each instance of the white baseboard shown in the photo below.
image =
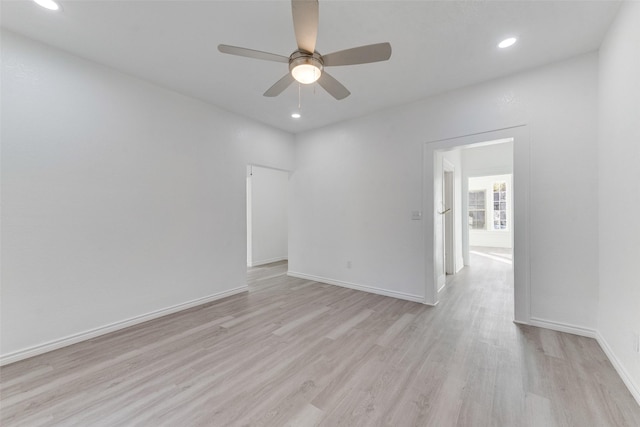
(370, 289)
(267, 261)
(102, 330)
(626, 378)
(562, 327)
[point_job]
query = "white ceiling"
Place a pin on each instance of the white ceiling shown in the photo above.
(437, 46)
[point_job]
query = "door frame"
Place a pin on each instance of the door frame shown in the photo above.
(521, 190)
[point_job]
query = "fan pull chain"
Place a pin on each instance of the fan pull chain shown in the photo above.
(299, 95)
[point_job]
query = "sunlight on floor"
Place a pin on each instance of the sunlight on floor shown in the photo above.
(505, 258)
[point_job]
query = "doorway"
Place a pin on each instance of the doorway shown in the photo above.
(267, 218)
(434, 187)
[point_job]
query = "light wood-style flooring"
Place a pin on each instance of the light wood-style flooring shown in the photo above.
(298, 353)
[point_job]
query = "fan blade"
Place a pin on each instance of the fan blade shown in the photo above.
(279, 86)
(305, 23)
(250, 53)
(334, 87)
(358, 55)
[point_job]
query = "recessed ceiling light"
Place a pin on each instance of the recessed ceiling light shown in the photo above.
(48, 4)
(295, 115)
(507, 42)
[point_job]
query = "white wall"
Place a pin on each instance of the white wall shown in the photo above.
(119, 198)
(619, 194)
(357, 182)
(268, 213)
(489, 237)
(493, 159)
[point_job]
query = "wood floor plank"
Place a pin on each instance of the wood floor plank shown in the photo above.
(538, 410)
(300, 321)
(395, 329)
(308, 416)
(351, 323)
(295, 352)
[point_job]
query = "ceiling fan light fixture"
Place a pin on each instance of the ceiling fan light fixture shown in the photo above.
(306, 68)
(306, 73)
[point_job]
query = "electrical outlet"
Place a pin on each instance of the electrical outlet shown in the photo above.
(348, 264)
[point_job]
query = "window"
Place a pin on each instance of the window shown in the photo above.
(477, 209)
(500, 205)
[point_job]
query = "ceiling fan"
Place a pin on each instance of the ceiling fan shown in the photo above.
(306, 65)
